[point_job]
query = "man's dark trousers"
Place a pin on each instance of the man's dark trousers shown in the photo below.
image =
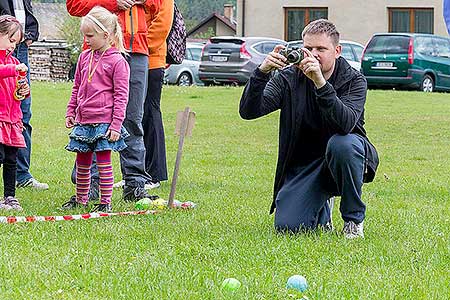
(24, 154)
(302, 201)
(154, 140)
(132, 158)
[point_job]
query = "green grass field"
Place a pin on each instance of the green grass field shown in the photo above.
(227, 169)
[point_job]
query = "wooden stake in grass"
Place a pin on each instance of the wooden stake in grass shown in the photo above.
(184, 125)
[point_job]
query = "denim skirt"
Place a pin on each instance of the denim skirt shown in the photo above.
(92, 138)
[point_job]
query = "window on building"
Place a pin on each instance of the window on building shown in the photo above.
(297, 18)
(418, 20)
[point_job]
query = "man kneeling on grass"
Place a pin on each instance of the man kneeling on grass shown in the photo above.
(323, 147)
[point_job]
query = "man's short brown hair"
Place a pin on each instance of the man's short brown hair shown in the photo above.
(322, 26)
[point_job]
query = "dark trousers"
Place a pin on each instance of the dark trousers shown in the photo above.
(132, 158)
(154, 140)
(8, 158)
(302, 201)
(24, 155)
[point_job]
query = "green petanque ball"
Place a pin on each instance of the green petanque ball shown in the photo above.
(143, 204)
(231, 285)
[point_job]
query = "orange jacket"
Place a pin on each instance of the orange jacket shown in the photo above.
(133, 22)
(159, 21)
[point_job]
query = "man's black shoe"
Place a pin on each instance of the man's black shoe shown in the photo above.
(133, 194)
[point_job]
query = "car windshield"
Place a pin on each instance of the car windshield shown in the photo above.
(347, 52)
(358, 50)
(196, 53)
(295, 44)
(388, 44)
(265, 47)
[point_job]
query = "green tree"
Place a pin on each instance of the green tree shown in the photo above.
(70, 30)
(194, 11)
(205, 35)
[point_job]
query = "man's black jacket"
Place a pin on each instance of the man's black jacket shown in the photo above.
(31, 23)
(340, 103)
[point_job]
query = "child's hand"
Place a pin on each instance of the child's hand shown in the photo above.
(112, 135)
(24, 90)
(70, 122)
(21, 67)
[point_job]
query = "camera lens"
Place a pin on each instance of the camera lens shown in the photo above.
(295, 56)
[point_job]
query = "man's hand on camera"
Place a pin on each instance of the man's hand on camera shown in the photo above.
(310, 66)
(125, 4)
(274, 60)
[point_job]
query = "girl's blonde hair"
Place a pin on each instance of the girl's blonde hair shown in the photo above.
(9, 26)
(102, 20)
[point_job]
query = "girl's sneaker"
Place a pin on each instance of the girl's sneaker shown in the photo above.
(102, 207)
(72, 204)
(10, 203)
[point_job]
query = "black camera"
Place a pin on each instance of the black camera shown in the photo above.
(293, 55)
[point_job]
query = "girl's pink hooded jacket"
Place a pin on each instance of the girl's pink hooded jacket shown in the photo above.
(105, 98)
(9, 107)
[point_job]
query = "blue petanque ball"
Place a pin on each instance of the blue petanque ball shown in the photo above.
(297, 282)
(231, 285)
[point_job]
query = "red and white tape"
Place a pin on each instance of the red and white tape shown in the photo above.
(31, 219)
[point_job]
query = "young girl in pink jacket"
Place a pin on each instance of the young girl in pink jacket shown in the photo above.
(97, 106)
(11, 138)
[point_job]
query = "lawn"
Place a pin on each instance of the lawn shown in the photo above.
(227, 169)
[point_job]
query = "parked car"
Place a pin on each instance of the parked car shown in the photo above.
(351, 51)
(419, 61)
(227, 59)
(185, 73)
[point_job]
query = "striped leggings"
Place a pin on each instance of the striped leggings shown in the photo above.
(83, 177)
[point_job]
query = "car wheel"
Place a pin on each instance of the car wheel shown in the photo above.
(185, 79)
(427, 84)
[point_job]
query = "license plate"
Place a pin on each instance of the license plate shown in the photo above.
(383, 64)
(219, 58)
